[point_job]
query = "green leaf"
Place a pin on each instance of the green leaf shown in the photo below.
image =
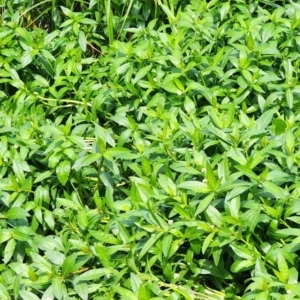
(26, 58)
(67, 12)
(120, 152)
(280, 126)
(48, 217)
(103, 255)
(236, 192)
(247, 76)
(206, 92)
(57, 288)
(264, 120)
(82, 40)
(181, 167)
(214, 216)
(4, 293)
(224, 10)
(250, 218)
(125, 293)
(275, 190)
(290, 141)
(195, 186)
(215, 119)
(135, 282)
(41, 262)
(146, 166)
(50, 37)
(88, 21)
(170, 87)
(247, 171)
(141, 73)
(68, 265)
(292, 208)
(289, 231)
(41, 196)
(23, 233)
(46, 65)
(86, 160)
(241, 251)
(204, 204)
(267, 32)
(142, 293)
(211, 178)
(123, 68)
(220, 134)
(9, 250)
(207, 242)
(241, 266)
(147, 246)
(16, 287)
(26, 295)
(103, 237)
(167, 184)
(63, 171)
(289, 98)
(81, 288)
(15, 213)
(283, 268)
(26, 36)
(94, 274)
(166, 245)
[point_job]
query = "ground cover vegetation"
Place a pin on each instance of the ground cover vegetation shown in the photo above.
(149, 149)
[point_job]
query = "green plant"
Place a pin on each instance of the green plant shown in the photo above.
(149, 151)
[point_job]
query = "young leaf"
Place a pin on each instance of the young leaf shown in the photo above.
(211, 178)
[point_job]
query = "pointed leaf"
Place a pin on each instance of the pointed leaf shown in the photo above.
(195, 186)
(204, 204)
(81, 288)
(86, 160)
(94, 274)
(68, 265)
(16, 213)
(63, 171)
(275, 190)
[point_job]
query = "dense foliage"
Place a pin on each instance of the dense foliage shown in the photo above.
(149, 150)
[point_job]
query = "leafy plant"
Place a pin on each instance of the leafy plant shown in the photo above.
(149, 150)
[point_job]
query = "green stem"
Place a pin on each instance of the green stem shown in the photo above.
(33, 7)
(63, 100)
